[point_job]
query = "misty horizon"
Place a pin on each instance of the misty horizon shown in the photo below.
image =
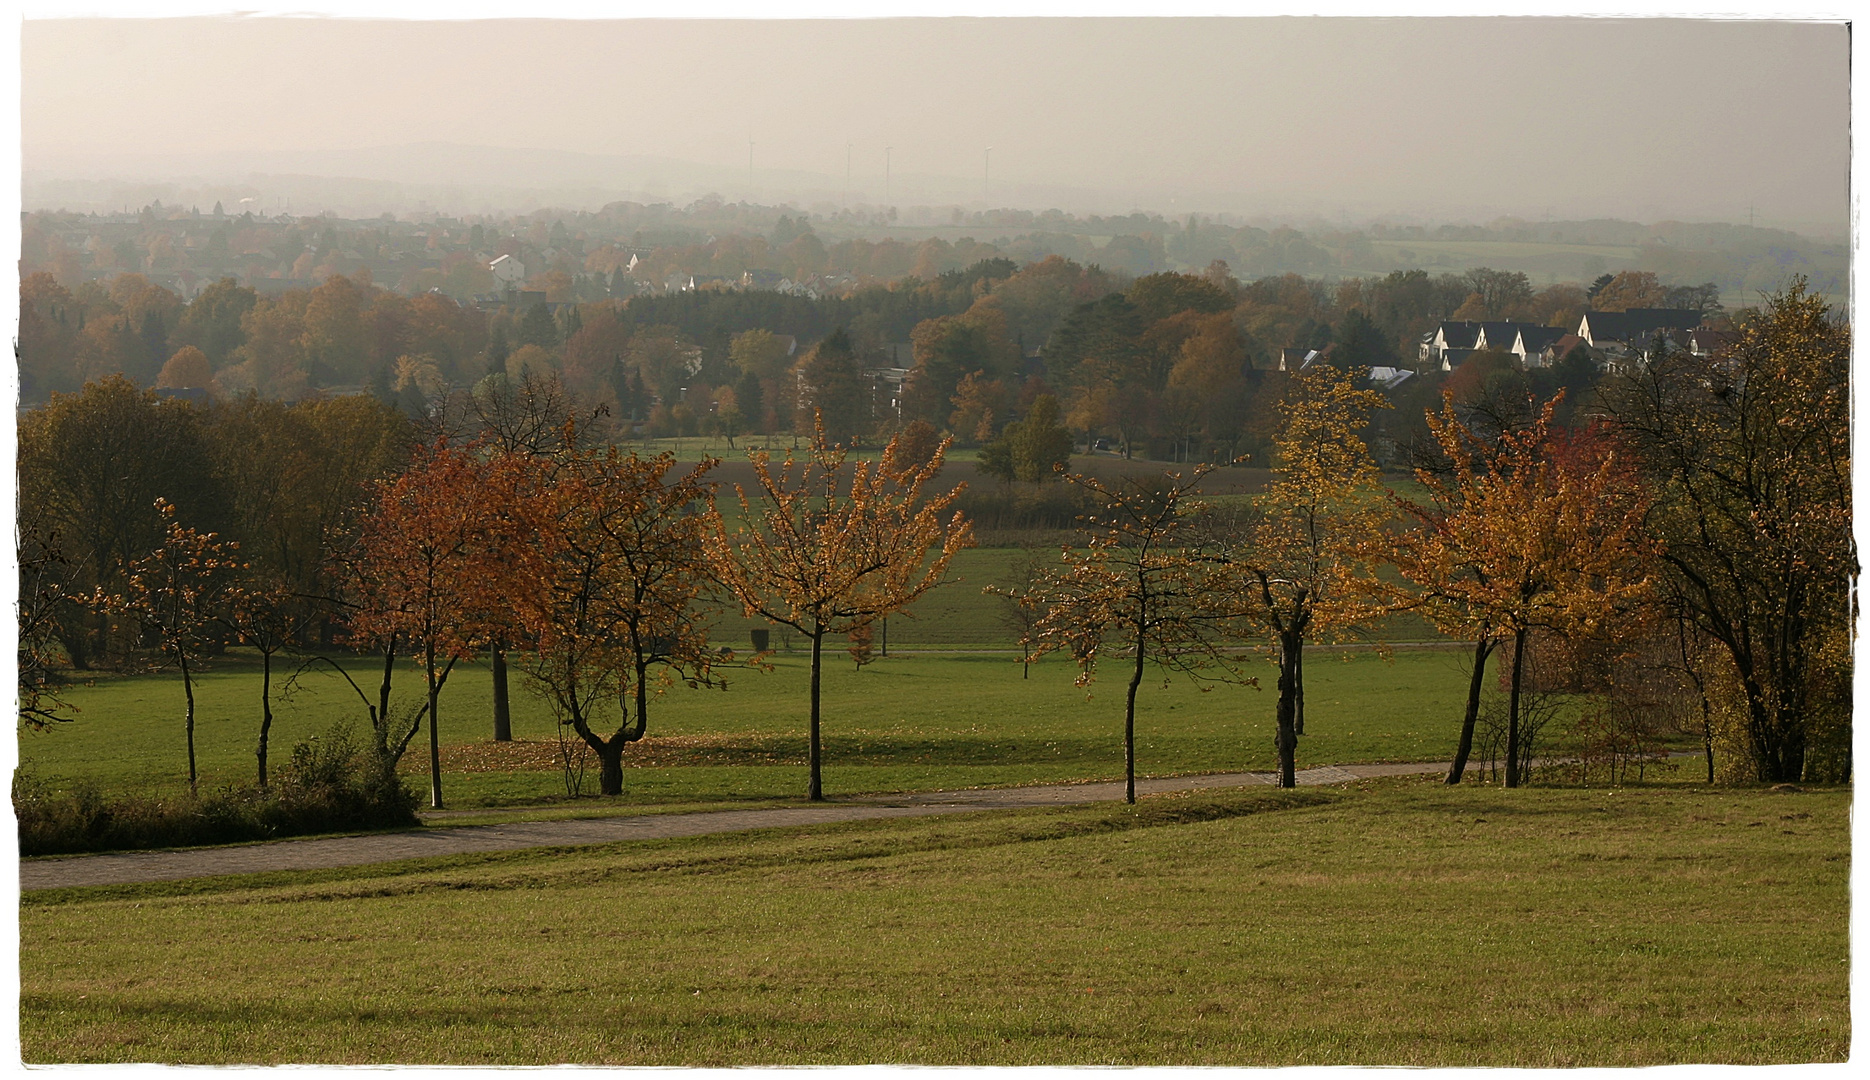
(1343, 121)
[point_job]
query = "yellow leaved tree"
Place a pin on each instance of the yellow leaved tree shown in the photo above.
(1300, 553)
(1530, 529)
(826, 555)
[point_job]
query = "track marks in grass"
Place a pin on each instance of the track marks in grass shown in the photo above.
(549, 868)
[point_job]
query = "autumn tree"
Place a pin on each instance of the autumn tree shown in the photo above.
(1496, 294)
(980, 404)
(826, 560)
(188, 367)
(616, 601)
(1630, 289)
(917, 443)
(759, 352)
(1529, 529)
(950, 348)
(1749, 450)
(1299, 552)
(92, 466)
(529, 416)
(1034, 449)
(175, 594)
(212, 320)
(1139, 590)
(444, 549)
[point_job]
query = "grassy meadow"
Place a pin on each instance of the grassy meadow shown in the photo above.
(911, 722)
(1392, 922)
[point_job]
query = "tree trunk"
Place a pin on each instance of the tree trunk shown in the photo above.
(1512, 709)
(435, 743)
(380, 718)
(610, 767)
(266, 711)
(1129, 726)
(1483, 647)
(1298, 690)
(188, 691)
(1286, 737)
(815, 790)
(502, 710)
(642, 700)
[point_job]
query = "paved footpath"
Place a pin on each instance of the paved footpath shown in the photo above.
(143, 866)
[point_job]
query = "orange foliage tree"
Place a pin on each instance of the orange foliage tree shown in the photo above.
(1529, 530)
(443, 550)
(615, 602)
(822, 560)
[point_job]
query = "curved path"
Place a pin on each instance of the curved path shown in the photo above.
(145, 866)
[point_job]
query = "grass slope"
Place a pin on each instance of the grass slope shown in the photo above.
(1396, 923)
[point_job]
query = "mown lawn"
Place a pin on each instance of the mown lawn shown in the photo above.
(1395, 922)
(906, 723)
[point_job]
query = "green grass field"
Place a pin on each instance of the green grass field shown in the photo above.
(1394, 923)
(906, 723)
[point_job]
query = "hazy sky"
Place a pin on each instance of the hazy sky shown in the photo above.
(1643, 119)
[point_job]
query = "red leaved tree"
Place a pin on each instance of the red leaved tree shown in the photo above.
(616, 600)
(443, 550)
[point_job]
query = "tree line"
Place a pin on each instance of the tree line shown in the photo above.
(1689, 533)
(1179, 367)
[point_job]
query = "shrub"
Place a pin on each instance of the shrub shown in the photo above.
(329, 786)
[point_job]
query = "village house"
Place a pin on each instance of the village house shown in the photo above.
(1533, 344)
(508, 272)
(1635, 328)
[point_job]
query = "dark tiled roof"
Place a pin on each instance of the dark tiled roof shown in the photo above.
(1499, 334)
(1638, 323)
(1538, 337)
(1459, 335)
(1705, 340)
